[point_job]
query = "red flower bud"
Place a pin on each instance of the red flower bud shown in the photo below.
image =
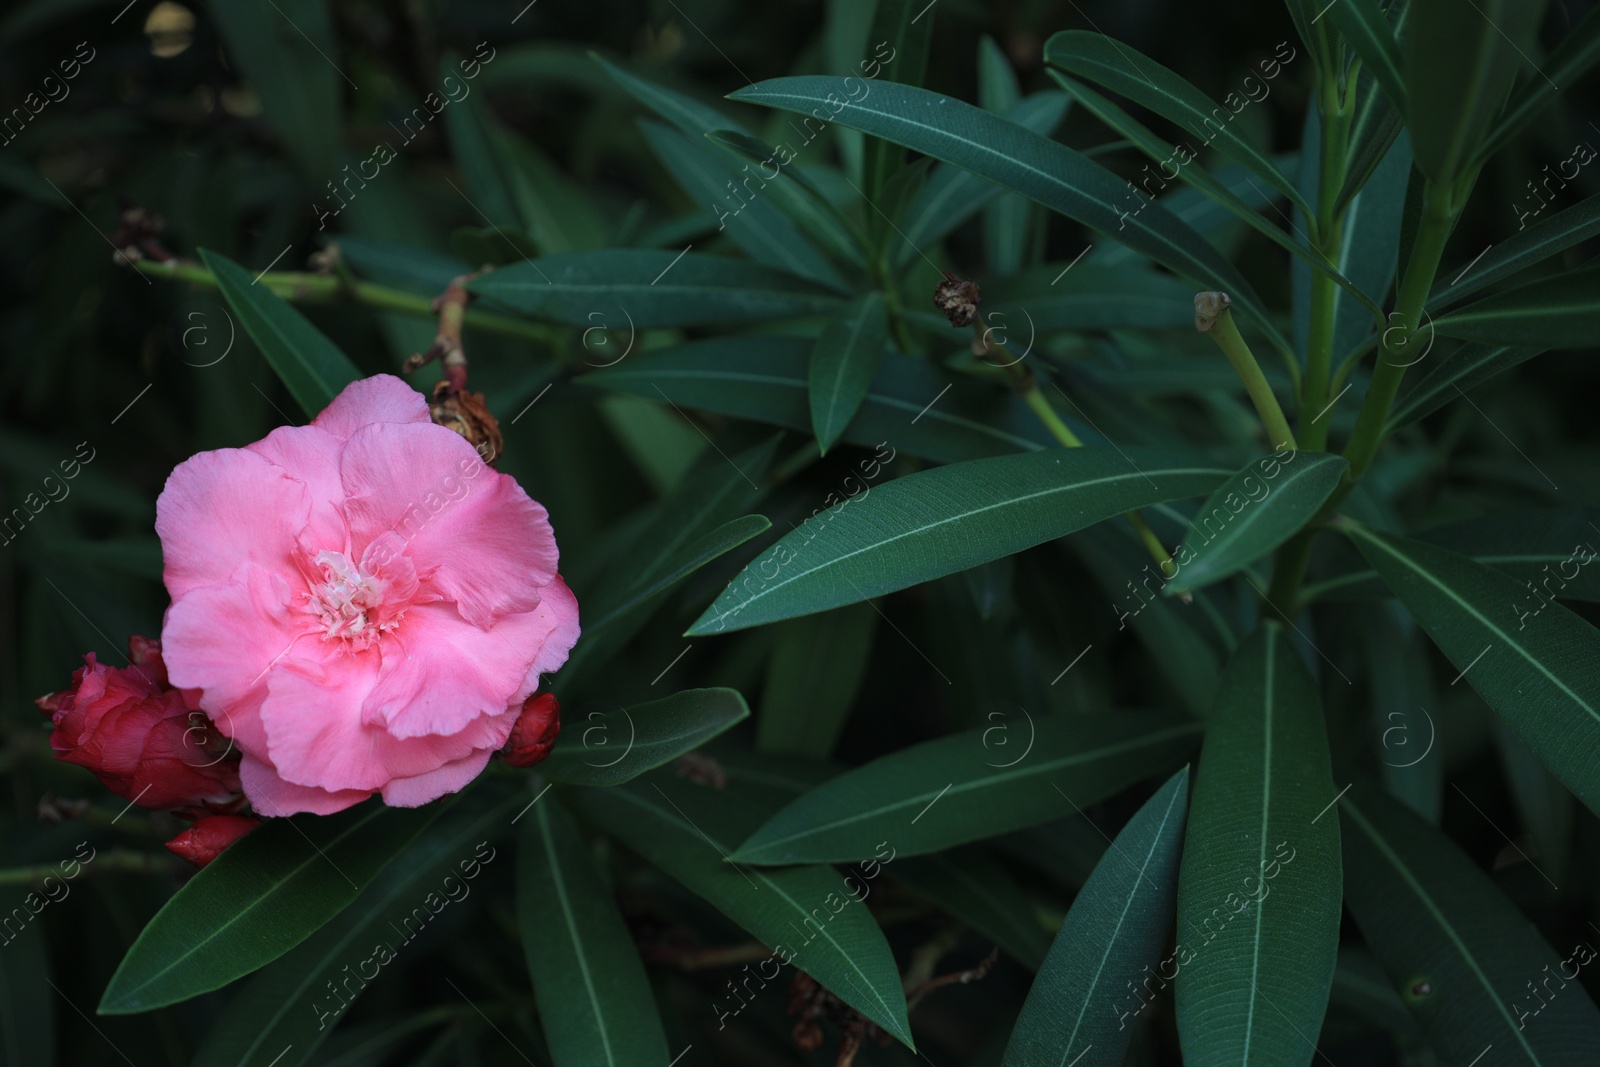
(145, 740)
(535, 731)
(205, 840)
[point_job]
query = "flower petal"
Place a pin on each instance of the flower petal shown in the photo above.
(223, 638)
(311, 455)
(474, 534)
(315, 735)
(271, 795)
(381, 398)
(419, 789)
(222, 508)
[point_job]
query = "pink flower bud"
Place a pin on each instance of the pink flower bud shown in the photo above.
(535, 731)
(205, 840)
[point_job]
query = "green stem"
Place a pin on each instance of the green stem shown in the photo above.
(304, 288)
(1028, 388)
(1395, 352)
(1217, 321)
(137, 862)
(1324, 291)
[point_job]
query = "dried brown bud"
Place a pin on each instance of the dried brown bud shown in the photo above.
(702, 769)
(1207, 306)
(468, 415)
(958, 299)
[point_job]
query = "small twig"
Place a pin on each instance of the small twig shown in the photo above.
(971, 974)
(452, 308)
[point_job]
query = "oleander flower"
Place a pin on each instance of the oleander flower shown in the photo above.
(143, 739)
(364, 603)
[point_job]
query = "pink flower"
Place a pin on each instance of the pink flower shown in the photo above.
(364, 603)
(142, 739)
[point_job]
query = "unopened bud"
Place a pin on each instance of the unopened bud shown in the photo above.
(210, 836)
(535, 731)
(1207, 307)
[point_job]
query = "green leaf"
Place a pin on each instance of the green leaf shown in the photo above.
(817, 667)
(1087, 296)
(1113, 933)
(1400, 690)
(899, 24)
(1009, 222)
(966, 787)
(1559, 312)
(1217, 192)
(618, 746)
(971, 885)
(686, 560)
(1469, 366)
(264, 895)
(952, 195)
(938, 522)
(650, 288)
(687, 830)
(1461, 954)
(796, 195)
(288, 1004)
(1123, 70)
(1224, 539)
(1367, 32)
(310, 366)
(767, 379)
(1533, 661)
(282, 50)
(1459, 65)
(685, 112)
(1258, 987)
(1529, 245)
(473, 145)
(1053, 174)
(1578, 51)
(706, 176)
(594, 1000)
(1532, 545)
(843, 365)
(1377, 127)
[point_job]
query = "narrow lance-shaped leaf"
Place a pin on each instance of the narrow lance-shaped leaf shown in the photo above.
(265, 894)
(1258, 897)
(594, 1000)
(970, 786)
(952, 195)
(905, 27)
(938, 522)
(650, 288)
(1461, 955)
(795, 193)
(1533, 661)
(1112, 935)
(1459, 63)
(607, 748)
(843, 365)
(810, 915)
(310, 366)
(1367, 32)
(1559, 312)
(1041, 169)
(1008, 223)
(289, 1007)
(1120, 68)
(973, 886)
(767, 379)
(688, 559)
(282, 50)
(712, 180)
(1449, 378)
(1216, 192)
(1570, 61)
(816, 669)
(1537, 546)
(1532, 243)
(1251, 514)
